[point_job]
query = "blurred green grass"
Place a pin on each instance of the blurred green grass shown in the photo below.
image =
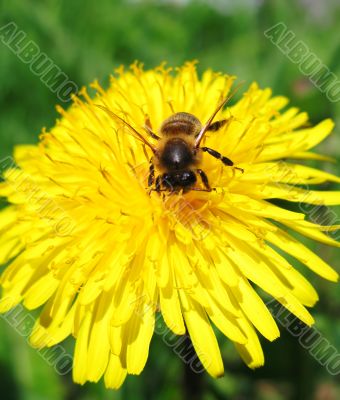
(87, 40)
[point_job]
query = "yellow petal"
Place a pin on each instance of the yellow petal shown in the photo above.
(99, 347)
(297, 141)
(203, 337)
(302, 253)
(138, 333)
(81, 351)
(315, 231)
(115, 338)
(115, 373)
(256, 311)
(40, 291)
(251, 352)
(171, 308)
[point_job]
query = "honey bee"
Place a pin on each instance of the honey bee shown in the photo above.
(178, 153)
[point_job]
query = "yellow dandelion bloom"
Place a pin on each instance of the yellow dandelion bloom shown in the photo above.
(84, 237)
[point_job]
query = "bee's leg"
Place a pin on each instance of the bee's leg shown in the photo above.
(216, 154)
(151, 177)
(204, 178)
(202, 190)
(158, 183)
(215, 126)
(148, 128)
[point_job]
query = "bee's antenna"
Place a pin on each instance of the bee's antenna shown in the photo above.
(210, 120)
(136, 134)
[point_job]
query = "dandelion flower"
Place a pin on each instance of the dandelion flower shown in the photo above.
(85, 240)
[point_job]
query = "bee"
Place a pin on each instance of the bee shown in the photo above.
(178, 151)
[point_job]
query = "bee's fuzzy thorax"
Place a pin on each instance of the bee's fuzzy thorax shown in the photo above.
(189, 140)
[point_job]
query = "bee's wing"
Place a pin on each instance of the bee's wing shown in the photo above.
(210, 120)
(135, 133)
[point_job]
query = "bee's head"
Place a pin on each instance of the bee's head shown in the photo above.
(178, 180)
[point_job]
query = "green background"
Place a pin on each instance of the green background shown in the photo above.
(87, 40)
